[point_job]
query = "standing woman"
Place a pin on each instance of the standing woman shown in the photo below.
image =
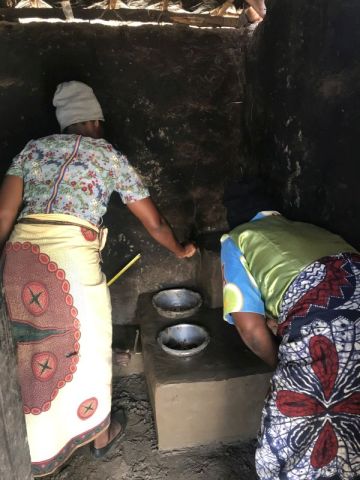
(57, 298)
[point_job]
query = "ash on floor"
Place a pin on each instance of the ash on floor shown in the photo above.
(136, 456)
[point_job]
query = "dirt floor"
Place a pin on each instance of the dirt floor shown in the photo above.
(136, 456)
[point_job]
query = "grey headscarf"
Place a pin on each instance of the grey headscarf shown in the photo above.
(75, 102)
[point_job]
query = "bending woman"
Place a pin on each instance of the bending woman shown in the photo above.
(308, 280)
(56, 294)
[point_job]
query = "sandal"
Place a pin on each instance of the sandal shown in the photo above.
(120, 417)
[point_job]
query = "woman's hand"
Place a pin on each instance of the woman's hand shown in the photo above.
(272, 325)
(189, 250)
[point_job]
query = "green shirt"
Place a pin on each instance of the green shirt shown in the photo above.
(277, 250)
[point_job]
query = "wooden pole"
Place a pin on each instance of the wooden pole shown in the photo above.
(14, 451)
(122, 15)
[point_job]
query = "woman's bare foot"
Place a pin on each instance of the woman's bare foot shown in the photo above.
(110, 433)
(121, 357)
(258, 6)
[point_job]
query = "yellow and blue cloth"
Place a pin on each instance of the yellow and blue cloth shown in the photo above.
(240, 291)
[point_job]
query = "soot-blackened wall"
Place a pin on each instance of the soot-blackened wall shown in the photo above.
(303, 110)
(172, 98)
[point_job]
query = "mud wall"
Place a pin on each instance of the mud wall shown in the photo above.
(172, 98)
(303, 109)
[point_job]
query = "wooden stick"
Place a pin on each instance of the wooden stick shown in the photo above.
(123, 270)
(221, 10)
(136, 341)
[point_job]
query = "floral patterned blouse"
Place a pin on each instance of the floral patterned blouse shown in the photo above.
(74, 175)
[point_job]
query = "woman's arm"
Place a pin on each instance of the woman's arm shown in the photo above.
(11, 198)
(257, 336)
(145, 210)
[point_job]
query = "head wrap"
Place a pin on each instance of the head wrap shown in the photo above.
(244, 199)
(75, 102)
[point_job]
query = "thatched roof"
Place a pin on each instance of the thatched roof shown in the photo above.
(205, 13)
